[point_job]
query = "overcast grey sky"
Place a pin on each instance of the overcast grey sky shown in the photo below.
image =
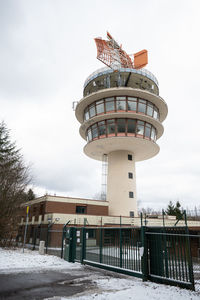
(47, 51)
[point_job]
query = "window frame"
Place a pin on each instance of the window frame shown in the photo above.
(155, 114)
(83, 209)
(131, 194)
(130, 175)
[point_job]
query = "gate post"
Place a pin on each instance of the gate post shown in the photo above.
(144, 258)
(63, 236)
(83, 249)
(120, 245)
(72, 244)
(101, 244)
(190, 264)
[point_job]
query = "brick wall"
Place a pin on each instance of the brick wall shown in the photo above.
(70, 208)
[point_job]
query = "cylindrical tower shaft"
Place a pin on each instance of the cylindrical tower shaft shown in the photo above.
(121, 184)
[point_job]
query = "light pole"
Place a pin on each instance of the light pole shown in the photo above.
(27, 210)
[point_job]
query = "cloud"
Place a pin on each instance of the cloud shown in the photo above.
(46, 53)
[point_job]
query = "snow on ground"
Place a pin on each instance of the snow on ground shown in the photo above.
(134, 289)
(12, 261)
(107, 287)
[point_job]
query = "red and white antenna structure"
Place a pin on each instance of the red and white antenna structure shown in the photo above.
(111, 54)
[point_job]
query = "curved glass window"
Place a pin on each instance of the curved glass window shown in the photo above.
(110, 104)
(147, 130)
(89, 135)
(142, 106)
(131, 126)
(132, 104)
(100, 107)
(121, 127)
(155, 113)
(119, 104)
(94, 131)
(150, 109)
(153, 134)
(87, 114)
(102, 128)
(140, 127)
(92, 111)
(110, 127)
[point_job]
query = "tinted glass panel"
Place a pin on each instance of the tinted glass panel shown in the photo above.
(142, 106)
(87, 114)
(89, 135)
(140, 127)
(94, 132)
(111, 126)
(102, 128)
(131, 126)
(147, 130)
(100, 107)
(132, 105)
(121, 125)
(121, 105)
(150, 110)
(92, 111)
(110, 104)
(155, 113)
(153, 134)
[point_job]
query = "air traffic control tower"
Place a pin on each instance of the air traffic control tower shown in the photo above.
(121, 115)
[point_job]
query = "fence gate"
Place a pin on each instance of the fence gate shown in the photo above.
(159, 254)
(168, 256)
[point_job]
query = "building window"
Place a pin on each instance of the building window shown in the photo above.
(80, 209)
(121, 103)
(110, 104)
(130, 157)
(130, 175)
(91, 233)
(132, 214)
(131, 195)
(121, 127)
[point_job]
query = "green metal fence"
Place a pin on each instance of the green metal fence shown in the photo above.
(158, 254)
(169, 256)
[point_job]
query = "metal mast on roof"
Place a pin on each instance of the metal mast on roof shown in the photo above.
(111, 54)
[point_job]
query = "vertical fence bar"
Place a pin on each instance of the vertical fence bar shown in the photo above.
(100, 245)
(169, 256)
(83, 248)
(181, 251)
(120, 247)
(178, 255)
(47, 239)
(166, 255)
(144, 260)
(190, 266)
(185, 261)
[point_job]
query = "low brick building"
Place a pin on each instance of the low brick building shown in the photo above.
(48, 215)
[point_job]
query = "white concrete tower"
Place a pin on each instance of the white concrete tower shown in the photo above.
(121, 115)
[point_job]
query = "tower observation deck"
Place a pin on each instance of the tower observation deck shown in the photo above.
(121, 115)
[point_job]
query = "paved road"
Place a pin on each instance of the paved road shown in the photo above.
(46, 284)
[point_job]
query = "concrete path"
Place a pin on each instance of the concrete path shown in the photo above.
(47, 284)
